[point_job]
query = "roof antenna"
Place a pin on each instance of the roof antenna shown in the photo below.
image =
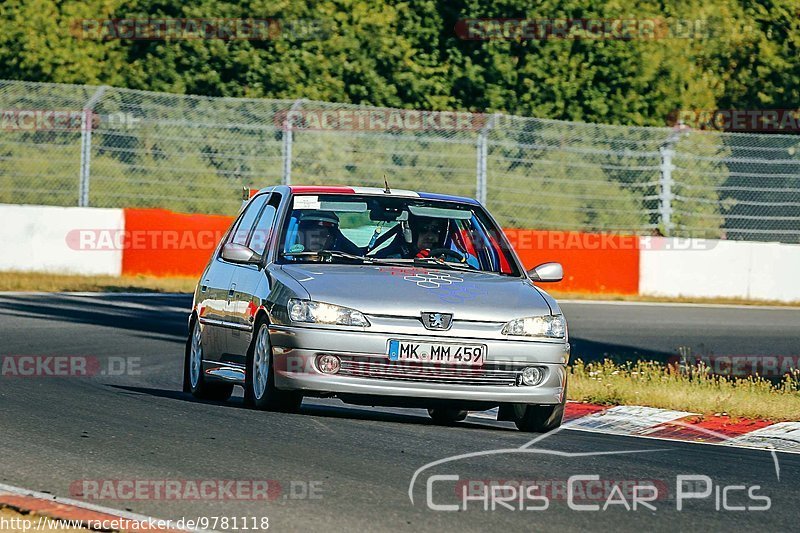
(387, 190)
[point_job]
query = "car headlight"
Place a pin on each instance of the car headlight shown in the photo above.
(551, 326)
(322, 313)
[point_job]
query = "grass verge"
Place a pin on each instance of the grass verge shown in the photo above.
(694, 389)
(35, 281)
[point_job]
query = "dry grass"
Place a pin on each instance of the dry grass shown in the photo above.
(30, 281)
(559, 295)
(695, 390)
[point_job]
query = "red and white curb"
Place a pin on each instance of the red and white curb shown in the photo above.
(55, 508)
(653, 423)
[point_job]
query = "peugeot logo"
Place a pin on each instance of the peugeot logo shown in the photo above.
(438, 321)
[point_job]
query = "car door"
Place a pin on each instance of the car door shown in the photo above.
(248, 278)
(223, 272)
(211, 308)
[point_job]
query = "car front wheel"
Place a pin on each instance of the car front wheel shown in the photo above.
(194, 379)
(538, 418)
(259, 390)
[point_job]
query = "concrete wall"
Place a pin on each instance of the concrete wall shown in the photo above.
(156, 242)
(47, 239)
(714, 268)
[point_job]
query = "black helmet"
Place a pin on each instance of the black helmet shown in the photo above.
(322, 218)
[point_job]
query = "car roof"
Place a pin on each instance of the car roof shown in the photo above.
(377, 191)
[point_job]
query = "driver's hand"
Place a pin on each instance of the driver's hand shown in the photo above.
(424, 253)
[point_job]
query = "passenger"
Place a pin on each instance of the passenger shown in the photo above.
(426, 234)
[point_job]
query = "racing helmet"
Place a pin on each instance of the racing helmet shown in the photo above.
(319, 218)
(316, 230)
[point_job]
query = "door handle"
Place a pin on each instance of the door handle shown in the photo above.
(231, 291)
(204, 287)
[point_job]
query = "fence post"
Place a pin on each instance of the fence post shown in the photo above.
(287, 142)
(483, 153)
(86, 145)
(665, 194)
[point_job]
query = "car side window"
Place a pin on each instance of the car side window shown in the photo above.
(241, 235)
(264, 228)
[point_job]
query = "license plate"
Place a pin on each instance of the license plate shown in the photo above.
(434, 352)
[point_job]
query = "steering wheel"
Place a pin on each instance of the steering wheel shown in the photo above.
(447, 252)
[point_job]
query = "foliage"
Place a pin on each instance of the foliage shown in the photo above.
(707, 55)
(408, 54)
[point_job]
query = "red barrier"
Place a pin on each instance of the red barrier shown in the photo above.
(162, 243)
(593, 262)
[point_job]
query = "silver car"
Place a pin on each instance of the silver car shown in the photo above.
(377, 297)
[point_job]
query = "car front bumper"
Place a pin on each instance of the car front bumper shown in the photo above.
(366, 369)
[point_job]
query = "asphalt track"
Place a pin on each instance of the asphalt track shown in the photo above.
(140, 426)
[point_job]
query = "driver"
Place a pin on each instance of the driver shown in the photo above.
(315, 230)
(319, 230)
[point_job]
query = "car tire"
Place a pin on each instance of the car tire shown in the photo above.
(538, 418)
(259, 389)
(194, 380)
(447, 417)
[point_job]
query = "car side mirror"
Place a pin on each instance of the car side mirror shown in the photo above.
(547, 272)
(236, 253)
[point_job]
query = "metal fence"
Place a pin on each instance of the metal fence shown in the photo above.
(108, 147)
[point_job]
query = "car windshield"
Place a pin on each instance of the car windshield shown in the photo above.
(375, 229)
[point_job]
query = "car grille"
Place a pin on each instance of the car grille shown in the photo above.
(449, 374)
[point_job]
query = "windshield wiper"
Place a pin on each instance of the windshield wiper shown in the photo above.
(427, 261)
(432, 261)
(327, 254)
(424, 261)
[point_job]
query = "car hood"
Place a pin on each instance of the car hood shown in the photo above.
(407, 291)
